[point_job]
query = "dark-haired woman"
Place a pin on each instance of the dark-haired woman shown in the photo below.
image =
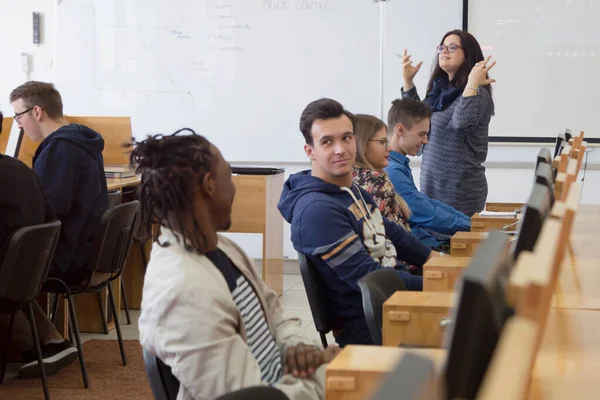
(460, 94)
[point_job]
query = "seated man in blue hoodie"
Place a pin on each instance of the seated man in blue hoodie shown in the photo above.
(408, 121)
(70, 167)
(337, 225)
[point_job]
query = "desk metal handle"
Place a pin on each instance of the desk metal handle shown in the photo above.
(445, 323)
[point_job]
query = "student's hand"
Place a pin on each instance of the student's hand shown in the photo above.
(303, 360)
(409, 71)
(477, 77)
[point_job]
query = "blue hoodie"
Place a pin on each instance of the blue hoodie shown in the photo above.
(70, 166)
(343, 233)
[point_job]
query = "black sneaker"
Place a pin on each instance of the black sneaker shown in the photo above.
(55, 357)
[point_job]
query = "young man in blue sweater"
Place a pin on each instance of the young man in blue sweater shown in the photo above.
(70, 167)
(337, 225)
(408, 121)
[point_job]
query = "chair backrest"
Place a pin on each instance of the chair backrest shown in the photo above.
(113, 238)
(27, 261)
(162, 381)
(376, 287)
(255, 393)
(315, 291)
(114, 198)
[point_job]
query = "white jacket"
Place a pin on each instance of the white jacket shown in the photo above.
(190, 321)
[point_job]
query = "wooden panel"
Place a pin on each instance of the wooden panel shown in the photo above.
(357, 370)
(490, 223)
(464, 244)
(508, 375)
(272, 266)
(248, 213)
(5, 135)
(114, 130)
(413, 318)
(440, 274)
(503, 207)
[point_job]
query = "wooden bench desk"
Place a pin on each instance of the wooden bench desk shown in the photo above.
(503, 207)
(493, 223)
(414, 318)
(440, 274)
(357, 370)
(464, 244)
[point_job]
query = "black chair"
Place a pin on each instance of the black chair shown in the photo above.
(110, 247)
(114, 199)
(315, 291)
(255, 393)
(165, 386)
(162, 381)
(376, 287)
(22, 271)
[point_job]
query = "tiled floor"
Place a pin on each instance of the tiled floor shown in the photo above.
(294, 302)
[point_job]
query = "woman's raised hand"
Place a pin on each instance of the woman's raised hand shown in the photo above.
(409, 70)
(479, 74)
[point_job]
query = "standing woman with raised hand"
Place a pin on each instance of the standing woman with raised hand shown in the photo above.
(460, 95)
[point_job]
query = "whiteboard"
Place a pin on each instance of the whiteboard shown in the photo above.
(239, 72)
(419, 27)
(548, 55)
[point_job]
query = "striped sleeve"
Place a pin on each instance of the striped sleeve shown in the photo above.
(327, 233)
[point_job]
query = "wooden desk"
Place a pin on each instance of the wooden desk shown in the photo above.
(440, 274)
(119, 184)
(503, 207)
(5, 134)
(357, 370)
(492, 223)
(414, 318)
(569, 357)
(255, 211)
(464, 244)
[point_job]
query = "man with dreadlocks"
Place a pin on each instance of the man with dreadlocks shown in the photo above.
(205, 311)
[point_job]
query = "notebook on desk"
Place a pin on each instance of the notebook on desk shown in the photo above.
(255, 170)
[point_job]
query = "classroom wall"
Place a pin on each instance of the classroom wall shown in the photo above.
(16, 37)
(509, 176)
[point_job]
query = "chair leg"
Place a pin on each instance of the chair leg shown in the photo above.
(117, 324)
(54, 307)
(143, 254)
(323, 340)
(6, 347)
(125, 303)
(75, 328)
(102, 314)
(38, 350)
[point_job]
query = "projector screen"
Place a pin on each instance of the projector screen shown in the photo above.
(548, 71)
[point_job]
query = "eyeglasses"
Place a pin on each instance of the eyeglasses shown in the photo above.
(450, 47)
(17, 117)
(383, 142)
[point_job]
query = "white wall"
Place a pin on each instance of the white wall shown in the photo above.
(16, 37)
(506, 183)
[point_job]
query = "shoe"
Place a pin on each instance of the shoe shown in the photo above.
(55, 356)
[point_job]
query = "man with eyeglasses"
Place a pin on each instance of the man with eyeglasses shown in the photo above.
(337, 225)
(70, 167)
(23, 203)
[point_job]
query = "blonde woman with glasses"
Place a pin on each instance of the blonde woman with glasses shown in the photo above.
(371, 158)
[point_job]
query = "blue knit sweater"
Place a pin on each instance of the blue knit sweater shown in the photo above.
(451, 168)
